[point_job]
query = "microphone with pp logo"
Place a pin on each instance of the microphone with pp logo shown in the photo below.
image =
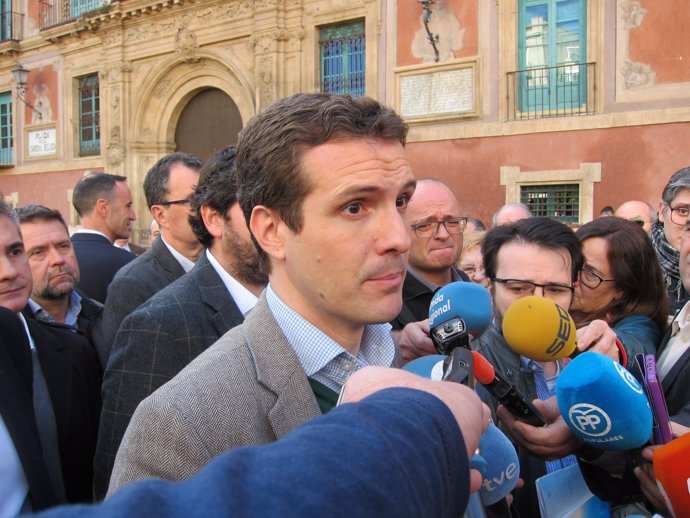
(603, 404)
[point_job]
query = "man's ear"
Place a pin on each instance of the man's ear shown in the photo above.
(159, 214)
(265, 225)
(102, 208)
(213, 221)
(660, 214)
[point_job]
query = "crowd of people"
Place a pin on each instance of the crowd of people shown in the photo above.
(290, 275)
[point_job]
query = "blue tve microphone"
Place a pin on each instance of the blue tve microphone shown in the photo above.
(502, 465)
(457, 311)
(603, 403)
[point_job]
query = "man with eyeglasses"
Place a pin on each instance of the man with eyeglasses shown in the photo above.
(674, 209)
(639, 212)
(535, 256)
(168, 187)
(435, 227)
(104, 204)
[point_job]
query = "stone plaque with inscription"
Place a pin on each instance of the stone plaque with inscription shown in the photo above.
(437, 93)
(41, 142)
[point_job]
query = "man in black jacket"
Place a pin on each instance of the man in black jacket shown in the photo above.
(51, 383)
(55, 273)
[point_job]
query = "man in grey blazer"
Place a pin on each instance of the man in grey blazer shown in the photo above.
(168, 187)
(181, 321)
(323, 182)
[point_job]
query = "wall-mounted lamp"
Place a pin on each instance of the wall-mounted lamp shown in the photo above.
(433, 38)
(21, 77)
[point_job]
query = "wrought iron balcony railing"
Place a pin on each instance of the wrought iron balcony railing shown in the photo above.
(57, 12)
(559, 91)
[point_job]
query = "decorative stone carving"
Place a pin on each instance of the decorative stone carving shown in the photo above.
(186, 44)
(114, 71)
(115, 153)
(161, 89)
(633, 14)
(637, 75)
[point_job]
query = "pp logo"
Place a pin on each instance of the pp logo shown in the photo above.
(628, 378)
(589, 419)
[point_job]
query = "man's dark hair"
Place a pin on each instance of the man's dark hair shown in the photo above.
(543, 232)
(217, 189)
(679, 181)
(157, 181)
(93, 187)
(32, 213)
(270, 147)
(634, 266)
(7, 211)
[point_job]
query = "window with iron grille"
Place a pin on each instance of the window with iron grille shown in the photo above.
(560, 202)
(6, 142)
(89, 116)
(343, 58)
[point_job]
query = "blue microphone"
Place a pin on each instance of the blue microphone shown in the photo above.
(603, 404)
(458, 310)
(430, 367)
(502, 465)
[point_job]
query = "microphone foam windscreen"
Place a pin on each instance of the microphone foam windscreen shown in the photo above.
(672, 472)
(430, 367)
(603, 403)
(465, 300)
(502, 465)
(484, 372)
(539, 329)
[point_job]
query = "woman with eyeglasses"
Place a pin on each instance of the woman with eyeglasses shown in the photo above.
(470, 260)
(621, 284)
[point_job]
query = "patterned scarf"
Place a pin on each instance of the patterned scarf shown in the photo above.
(668, 259)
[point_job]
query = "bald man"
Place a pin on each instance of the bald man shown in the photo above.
(638, 211)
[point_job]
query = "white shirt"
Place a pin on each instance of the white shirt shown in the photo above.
(13, 485)
(244, 298)
(677, 344)
(185, 263)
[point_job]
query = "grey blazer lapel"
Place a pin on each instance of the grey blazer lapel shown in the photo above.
(279, 370)
(165, 259)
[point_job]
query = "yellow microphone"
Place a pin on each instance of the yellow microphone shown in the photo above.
(539, 329)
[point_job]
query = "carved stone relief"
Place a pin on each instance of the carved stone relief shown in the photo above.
(633, 14)
(637, 75)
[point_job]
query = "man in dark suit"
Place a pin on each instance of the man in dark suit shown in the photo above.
(435, 225)
(104, 203)
(168, 187)
(58, 372)
(55, 273)
(178, 323)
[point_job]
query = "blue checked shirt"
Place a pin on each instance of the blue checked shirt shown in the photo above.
(320, 356)
(545, 390)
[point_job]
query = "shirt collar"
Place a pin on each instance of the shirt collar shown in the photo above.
(244, 298)
(185, 263)
(90, 231)
(71, 316)
(314, 349)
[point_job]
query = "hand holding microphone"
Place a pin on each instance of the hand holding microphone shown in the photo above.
(603, 404)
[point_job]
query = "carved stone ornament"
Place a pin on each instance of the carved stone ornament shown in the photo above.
(637, 75)
(633, 14)
(186, 44)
